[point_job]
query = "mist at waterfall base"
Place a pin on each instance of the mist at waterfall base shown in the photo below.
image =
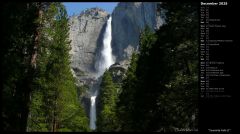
(105, 61)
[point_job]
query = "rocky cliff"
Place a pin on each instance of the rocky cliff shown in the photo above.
(128, 19)
(86, 35)
(86, 31)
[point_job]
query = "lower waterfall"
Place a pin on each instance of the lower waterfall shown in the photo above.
(93, 111)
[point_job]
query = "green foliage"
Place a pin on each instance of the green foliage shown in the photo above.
(36, 109)
(107, 120)
(126, 98)
(60, 103)
(108, 91)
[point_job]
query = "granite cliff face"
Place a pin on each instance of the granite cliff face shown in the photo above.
(128, 20)
(86, 31)
(86, 35)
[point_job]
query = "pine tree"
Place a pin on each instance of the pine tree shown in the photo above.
(126, 102)
(56, 94)
(107, 120)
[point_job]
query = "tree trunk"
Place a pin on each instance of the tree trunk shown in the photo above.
(36, 40)
(31, 69)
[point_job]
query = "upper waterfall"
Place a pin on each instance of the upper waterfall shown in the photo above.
(106, 57)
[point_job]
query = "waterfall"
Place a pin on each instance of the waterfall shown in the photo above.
(93, 111)
(106, 59)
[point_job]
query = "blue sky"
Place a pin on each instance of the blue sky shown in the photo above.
(77, 7)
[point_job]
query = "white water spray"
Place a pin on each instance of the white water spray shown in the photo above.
(105, 61)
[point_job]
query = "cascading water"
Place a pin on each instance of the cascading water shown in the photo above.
(106, 57)
(105, 61)
(93, 111)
